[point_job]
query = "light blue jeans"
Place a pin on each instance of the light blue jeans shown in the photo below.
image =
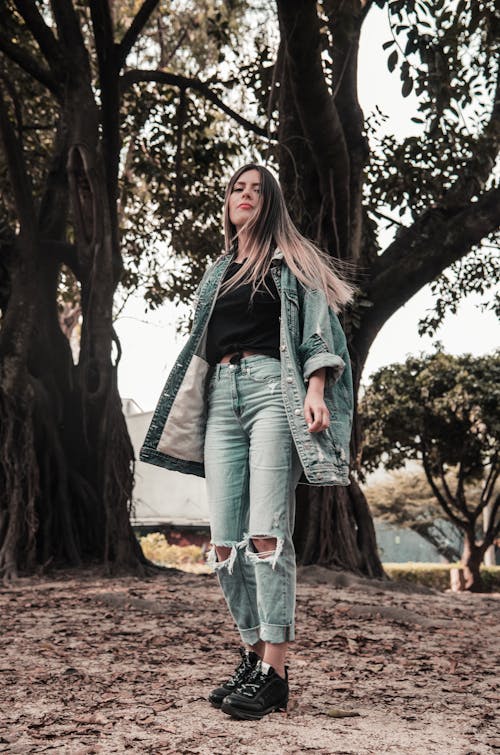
(252, 469)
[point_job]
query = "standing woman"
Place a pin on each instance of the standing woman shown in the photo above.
(259, 399)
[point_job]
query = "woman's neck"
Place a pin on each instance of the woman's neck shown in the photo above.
(241, 251)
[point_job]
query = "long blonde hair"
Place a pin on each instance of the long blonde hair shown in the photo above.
(270, 228)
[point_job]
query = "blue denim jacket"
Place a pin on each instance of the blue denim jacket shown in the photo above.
(311, 337)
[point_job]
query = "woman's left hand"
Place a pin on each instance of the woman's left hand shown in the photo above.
(316, 412)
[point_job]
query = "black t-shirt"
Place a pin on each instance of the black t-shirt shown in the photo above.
(238, 325)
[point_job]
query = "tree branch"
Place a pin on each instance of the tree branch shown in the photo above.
(299, 25)
(24, 60)
(110, 93)
(102, 25)
(419, 254)
(54, 203)
(18, 174)
(439, 496)
(345, 21)
(70, 34)
(488, 488)
(42, 33)
(63, 252)
(447, 491)
(135, 28)
(492, 478)
(183, 82)
(459, 499)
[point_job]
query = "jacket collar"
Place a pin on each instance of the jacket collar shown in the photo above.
(275, 259)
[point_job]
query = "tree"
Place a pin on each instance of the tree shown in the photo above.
(444, 411)
(143, 154)
(404, 498)
(67, 117)
(440, 183)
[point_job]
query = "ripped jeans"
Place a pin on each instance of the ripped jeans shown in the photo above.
(252, 469)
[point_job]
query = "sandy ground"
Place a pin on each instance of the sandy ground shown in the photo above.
(96, 665)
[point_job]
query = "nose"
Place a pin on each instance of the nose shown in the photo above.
(246, 192)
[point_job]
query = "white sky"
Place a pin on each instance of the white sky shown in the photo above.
(149, 342)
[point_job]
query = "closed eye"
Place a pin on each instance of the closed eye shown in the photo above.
(240, 188)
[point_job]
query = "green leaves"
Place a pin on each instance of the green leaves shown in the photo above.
(442, 409)
(446, 55)
(392, 60)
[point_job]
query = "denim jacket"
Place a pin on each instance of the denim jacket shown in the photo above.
(311, 337)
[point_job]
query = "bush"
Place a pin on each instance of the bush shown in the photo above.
(437, 576)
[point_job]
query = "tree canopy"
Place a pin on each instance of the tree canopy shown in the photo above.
(444, 411)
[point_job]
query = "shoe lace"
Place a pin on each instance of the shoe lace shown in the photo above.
(253, 683)
(242, 669)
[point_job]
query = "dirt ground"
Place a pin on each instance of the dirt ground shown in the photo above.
(96, 665)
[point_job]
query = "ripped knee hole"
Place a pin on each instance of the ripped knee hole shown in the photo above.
(264, 545)
(223, 552)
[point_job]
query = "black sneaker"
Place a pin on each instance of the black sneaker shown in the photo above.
(262, 692)
(247, 665)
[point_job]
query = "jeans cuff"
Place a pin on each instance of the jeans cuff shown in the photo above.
(250, 636)
(268, 633)
(277, 632)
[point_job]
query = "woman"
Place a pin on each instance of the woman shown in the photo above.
(259, 399)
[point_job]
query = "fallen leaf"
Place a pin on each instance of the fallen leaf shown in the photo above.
(338, 713)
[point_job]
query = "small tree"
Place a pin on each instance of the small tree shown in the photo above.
(442, 410)
(404, 498)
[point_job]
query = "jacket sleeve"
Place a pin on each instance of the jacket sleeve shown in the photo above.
(320, 342)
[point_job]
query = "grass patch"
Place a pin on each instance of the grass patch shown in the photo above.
(438, 575)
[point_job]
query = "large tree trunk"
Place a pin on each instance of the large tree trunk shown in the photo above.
(322, 153)
(66, 460)
(334, 528)
(334, 525)
(59, 499)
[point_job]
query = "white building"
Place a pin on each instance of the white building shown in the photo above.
(161, 496)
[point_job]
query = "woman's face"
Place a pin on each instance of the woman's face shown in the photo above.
(245, 197)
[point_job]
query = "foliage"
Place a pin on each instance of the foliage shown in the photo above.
(443, 410)
(176, 152)
(440, 408)
(178, 147)
(446, 54)
(187, 557)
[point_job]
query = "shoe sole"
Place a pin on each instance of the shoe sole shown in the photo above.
(248, 715)
(215, 703)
